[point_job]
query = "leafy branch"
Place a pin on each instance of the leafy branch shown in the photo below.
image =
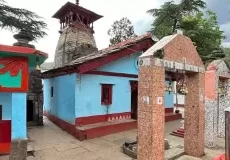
(16, 19)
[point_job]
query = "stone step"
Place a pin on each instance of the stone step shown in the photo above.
(180, 131)
(172, 117)
(177, 134)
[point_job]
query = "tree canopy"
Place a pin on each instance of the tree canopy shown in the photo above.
(205, 32)
(16, 19)
(227, 56)
(202, 28)
(169, 12)
(121, 30)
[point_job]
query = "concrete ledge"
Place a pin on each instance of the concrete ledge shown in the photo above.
(18, 149)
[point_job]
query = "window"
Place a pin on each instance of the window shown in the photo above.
(106, 94)
(52, 92)
(0, 112)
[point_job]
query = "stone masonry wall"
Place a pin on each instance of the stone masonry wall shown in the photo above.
(36, 95)
(224, 102)
(73, 43)
(210, 122)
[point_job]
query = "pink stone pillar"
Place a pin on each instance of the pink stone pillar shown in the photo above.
(151, 114)
(194, 115)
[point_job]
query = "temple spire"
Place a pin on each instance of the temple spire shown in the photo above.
(77, 2)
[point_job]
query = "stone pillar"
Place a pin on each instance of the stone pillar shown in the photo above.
(36, 94)
(18, 123)
(151, 114)
(194, 115)
(227, 133)
(211, 88)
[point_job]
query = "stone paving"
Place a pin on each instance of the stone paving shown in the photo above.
(52, 143)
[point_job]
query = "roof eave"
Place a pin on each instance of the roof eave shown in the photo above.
(58, 14)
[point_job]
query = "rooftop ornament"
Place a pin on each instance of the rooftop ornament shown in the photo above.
(23, 39)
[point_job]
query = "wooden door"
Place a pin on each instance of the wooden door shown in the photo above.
(134, 97)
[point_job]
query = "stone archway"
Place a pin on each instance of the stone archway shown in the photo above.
(172, 53)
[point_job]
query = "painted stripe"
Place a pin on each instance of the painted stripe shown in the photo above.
(112, 74)
(21, 50)
(179, 105)
(102, 118)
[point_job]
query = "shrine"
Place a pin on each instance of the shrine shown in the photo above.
(16, 63)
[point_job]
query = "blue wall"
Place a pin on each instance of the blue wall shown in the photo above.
(6, 102)
(80, 95)
(18, 116)
(48, 106)
(126, 64)
(169, 102)
(88, 89)
(88, 95)
(62, 104)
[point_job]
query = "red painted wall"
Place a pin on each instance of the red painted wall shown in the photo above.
(210, 86)
(5, 136)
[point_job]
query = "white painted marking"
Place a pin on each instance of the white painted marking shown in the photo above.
(159, 100)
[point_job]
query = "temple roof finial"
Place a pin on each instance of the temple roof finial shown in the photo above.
(178, 25)
(178, 28)
(77, 2)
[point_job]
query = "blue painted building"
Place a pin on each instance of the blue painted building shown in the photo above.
(97, 96)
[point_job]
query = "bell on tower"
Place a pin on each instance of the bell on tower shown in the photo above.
(76, 29)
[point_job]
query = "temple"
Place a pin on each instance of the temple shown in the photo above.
(89, 92)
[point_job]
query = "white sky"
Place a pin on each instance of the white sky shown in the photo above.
(112, 10)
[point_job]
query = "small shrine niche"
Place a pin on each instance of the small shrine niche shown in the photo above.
(74, 15)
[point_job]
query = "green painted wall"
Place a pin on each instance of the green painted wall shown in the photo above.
(6, 80)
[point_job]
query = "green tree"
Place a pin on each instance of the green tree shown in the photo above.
(167, 15)
(227, 56)
(202, 28)
(121, 30)
(16, 19)
(205, 32)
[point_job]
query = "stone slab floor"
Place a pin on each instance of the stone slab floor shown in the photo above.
(51, 143)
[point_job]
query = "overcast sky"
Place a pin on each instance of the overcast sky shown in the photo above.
(112, 10)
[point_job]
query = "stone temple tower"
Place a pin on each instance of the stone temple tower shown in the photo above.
(76, 29)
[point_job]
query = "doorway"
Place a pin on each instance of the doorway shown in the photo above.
(30, 111)
(134, 97)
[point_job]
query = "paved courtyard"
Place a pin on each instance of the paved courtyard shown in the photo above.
(51, 143)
